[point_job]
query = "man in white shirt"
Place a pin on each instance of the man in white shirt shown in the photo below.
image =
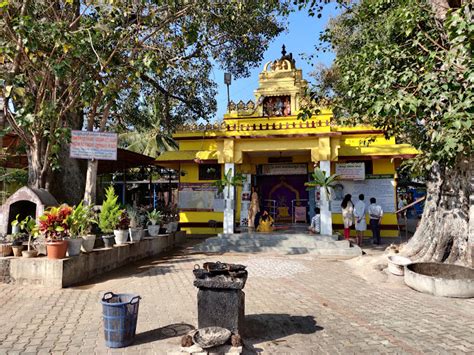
(315, 227)
(360, 223)
(375, 214)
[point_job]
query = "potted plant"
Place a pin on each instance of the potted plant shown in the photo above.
(16, 225)
(109, 216)
(135, 230)
(31, 229)
(79, 222)
(121, 229)
(17, 243)
(5, 247)
(54, 225)
(154, 217)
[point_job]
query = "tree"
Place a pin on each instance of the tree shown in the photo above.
(406, 67)
(62, 56)
(149, 136)
(325, 183)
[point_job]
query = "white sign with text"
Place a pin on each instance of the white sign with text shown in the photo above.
(93, 145)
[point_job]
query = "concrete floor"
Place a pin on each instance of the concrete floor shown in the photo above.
(295, 304)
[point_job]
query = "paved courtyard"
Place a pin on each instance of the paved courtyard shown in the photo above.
(294, 305)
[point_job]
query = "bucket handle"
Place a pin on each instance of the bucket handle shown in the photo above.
(136, 299)
(105, 298)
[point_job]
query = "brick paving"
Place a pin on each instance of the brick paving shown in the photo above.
(295, 304)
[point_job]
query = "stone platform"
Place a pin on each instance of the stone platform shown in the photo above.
(73, 270)
(279, 243)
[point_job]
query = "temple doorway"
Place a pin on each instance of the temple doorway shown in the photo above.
(284, 197)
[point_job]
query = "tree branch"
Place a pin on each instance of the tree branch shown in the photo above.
(161, 89)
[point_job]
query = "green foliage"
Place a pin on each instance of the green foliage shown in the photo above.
(16, 176)
(80, 220)
(229, 181)
(88, 58)
(403, 68)
(110, 213)
(149, 136)
(29, 226)
(155, 217)
(15, 222)
(320, 179)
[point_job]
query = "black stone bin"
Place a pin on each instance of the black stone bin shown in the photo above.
(221, 301)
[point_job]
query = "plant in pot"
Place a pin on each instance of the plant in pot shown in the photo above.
(29, 226)
(16, 225)
(5, 246)
(109, 216)
(135, 229)
(53, 224)
(79, 222)
(155, 218)
(17, 243)
(121, 229)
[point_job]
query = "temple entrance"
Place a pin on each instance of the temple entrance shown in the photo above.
(284, 197)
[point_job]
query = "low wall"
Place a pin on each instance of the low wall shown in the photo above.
(66, 272)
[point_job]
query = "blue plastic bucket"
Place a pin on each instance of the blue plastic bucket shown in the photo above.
(120, 313)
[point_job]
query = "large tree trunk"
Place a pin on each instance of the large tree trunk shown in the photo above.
(67, 184)
(35, 154)
(442, 235)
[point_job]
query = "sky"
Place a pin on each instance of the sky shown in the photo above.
(300, 37)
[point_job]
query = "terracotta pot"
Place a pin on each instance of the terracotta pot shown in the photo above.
(88, 243)
(108, 241)
(56, 249)
(121, 236)
(17, 249)
(6, 249)
(29, 253)
(74, 246)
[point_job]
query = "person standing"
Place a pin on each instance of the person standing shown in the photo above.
(359, 214)
(347, 215)
(254, 208)
(375, 214)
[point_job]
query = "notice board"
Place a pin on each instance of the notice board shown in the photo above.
(93, 145)
(200, 197)
(382, 187)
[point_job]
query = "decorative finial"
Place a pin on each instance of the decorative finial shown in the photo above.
(283, 51)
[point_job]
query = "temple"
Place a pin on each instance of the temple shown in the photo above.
(276, 152)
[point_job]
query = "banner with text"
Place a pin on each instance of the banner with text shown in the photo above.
(284, 169)
(93, 145)
(350, 171)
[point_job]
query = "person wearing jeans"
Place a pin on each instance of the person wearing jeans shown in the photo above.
(375, 214)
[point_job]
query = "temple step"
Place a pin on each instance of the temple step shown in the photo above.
(279, 243)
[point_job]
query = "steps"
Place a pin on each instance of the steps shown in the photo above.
(277, 243)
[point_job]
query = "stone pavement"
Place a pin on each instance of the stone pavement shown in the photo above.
(296, 304)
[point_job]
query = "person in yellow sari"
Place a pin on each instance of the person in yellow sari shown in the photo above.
(266, 223)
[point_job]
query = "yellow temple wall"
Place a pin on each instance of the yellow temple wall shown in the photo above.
(200, 218)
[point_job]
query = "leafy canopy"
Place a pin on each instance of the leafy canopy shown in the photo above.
(402, 68)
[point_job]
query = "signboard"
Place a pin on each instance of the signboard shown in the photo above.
(284, 169)
(200, 197)
(93, 145)
(382, 187)
(350, 171)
